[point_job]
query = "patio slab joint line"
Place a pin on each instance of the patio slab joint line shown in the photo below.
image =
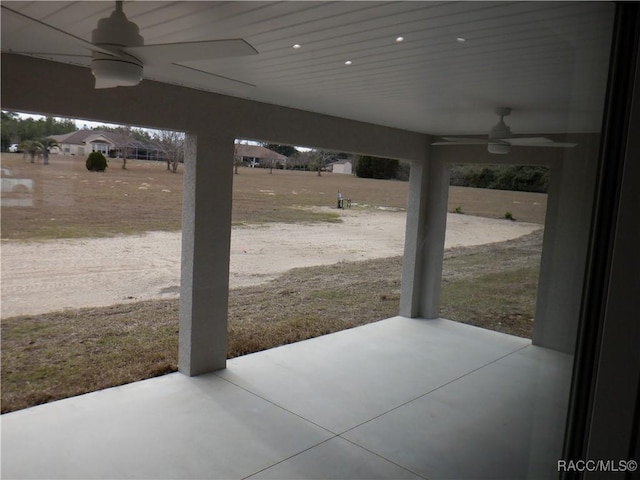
(289, 457)
(432, 390)
(277, 405)
(383, 457)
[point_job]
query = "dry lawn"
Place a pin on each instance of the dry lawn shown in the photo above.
(70, 202)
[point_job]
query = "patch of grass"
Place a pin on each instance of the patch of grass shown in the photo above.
(62, 354)
(504, 302)
(57, 355)
(70, 202)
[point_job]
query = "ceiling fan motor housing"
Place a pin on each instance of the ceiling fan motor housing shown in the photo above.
(117, 31)
(113, 33)
(500, 131)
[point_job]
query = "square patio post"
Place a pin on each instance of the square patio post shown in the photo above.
(424, 240)
(565, 246)
(206, 238)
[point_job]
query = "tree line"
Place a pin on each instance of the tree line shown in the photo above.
(364, 166)
(18, 130)
(501, 177)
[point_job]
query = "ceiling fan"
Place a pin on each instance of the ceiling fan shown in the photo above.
(500, 139)
(118, 52)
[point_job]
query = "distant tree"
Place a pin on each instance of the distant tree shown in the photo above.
(172, 146)
(269, 163)
(9, 129)
(237, 159)
(33, 148)
(299, 161)
(53, 126)
(141, 134)
(320, 159)
(46, 145)
(17, 130)
(286, 150)
(374, 167)
(502, 177)
(124, 140)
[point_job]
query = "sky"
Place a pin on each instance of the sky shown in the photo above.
(79, 123)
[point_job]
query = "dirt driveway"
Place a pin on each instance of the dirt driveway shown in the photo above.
(54, 275)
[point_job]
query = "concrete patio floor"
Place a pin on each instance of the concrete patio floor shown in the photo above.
(399, 398)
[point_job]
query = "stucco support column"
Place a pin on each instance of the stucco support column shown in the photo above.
(424, 239)
(206, 237)
(564, 248)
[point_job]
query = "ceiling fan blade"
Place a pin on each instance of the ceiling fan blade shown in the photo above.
(190, 51)
(462, 141)
(558, 144)
(28, 35)
(219, 78)
(203, 80)
(536, 142)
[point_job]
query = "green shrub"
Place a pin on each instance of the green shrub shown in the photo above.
(96, 162)
(509, 216)
(458, 209)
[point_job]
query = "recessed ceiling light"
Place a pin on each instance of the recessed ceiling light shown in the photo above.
(399, 39)
(297, 46)
(348, 62)
(461, 40)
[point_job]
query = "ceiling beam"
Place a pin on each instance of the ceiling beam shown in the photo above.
(45, 87)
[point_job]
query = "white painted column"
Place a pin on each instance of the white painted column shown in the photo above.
(206, 237)
(424, 239)
(564, 249)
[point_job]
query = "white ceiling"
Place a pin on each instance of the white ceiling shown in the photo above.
(546, 60)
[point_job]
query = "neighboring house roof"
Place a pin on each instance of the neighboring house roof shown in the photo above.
(62, 137)
(82, 137)
(256, 151)
(74, 138)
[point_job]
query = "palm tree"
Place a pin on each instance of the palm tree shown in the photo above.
(33, 148)
(47, 144)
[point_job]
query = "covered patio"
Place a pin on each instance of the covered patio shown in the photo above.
(413, 396)
(399, 398)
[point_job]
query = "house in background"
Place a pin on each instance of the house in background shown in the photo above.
(342, 166)
(111, 144)
(83, 142)
(257, 156)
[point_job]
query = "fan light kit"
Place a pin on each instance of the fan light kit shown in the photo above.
(500, 139)
(118, 52)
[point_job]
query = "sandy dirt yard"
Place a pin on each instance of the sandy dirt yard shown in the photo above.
(39, 277)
